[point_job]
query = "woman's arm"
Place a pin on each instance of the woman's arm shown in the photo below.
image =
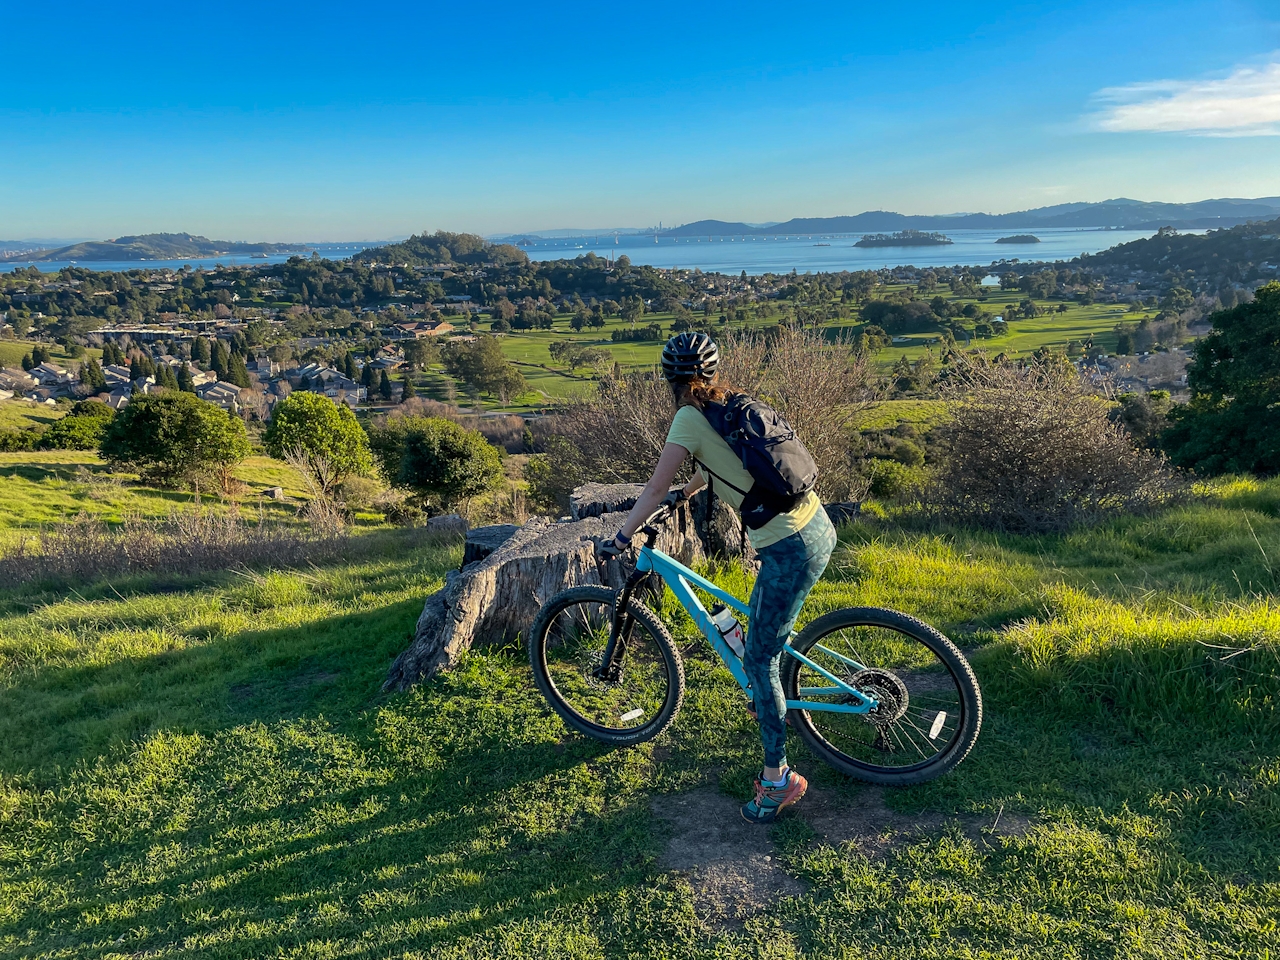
(656, 489)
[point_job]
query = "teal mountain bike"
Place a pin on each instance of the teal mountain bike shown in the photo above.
(874, 693)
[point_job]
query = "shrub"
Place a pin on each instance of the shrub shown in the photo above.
(173, 438)
(1029, 449)
(438, 459)
(12, 441)
(817, 384)
(313, 426)
(81, 429)
(553, 474)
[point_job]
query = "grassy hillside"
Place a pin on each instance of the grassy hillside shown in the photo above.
(51, 486)
(206, 767)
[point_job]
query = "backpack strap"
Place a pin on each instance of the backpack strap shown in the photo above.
(715, 476)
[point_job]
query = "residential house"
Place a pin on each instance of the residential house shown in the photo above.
(17, 380)
(119, 398)
(263, 367)
(225, 395)
(422, 328)
(50, 374)
(116, 374)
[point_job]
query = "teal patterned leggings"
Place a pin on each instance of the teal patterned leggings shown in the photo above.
(788, 571)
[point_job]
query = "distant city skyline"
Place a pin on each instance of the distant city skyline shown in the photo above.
(289, 124)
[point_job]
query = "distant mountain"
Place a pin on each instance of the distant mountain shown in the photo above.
(161, 246)
(1118, 213)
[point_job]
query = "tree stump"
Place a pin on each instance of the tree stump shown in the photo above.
(493, 599)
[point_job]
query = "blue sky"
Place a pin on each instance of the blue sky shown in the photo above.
(319, 121)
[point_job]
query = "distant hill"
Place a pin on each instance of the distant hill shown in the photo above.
(1119, 213)
(161, 246)
(1239, 254)
(1020, 238)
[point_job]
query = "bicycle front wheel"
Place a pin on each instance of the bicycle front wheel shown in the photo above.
(566, 650)
(929, 705)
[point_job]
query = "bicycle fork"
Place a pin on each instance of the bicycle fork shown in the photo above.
(610, 666)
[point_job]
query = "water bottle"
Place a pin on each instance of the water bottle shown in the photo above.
(730, 629)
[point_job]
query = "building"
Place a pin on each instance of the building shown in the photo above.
(225, 395)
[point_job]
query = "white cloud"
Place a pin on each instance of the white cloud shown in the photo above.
(1246, 103)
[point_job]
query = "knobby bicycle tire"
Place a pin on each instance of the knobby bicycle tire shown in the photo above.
(968, 697)
(646, 620)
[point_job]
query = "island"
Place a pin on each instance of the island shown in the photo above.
(1019, 238)
(904, 238)
(162, 246)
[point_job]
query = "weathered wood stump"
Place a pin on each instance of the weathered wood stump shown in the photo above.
(509, 572)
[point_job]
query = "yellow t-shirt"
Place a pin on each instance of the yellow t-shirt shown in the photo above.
(690, 430)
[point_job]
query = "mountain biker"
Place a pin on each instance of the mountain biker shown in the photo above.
(793, 548)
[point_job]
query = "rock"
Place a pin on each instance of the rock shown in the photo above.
(843, 512)
(448, 523)
(493, 600)
(275, 493)
(482, 541)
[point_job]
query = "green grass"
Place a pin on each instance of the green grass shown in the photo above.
(890, 413)
(206, 767)
(12, 352)
(22, 415)
(44, 487)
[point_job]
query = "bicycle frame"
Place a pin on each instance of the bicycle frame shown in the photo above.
(682, 580)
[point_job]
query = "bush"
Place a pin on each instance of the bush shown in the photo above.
(173, 438)
(890, 480)
(438, 459)
(818, 385)
(554, 474)
(81, 429)
(1029, 449)
(13, 441)
(314, 428)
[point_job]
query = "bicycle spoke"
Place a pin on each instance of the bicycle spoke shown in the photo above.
(625, 699)
(911, 685)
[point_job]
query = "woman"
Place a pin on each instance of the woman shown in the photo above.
(793, 548)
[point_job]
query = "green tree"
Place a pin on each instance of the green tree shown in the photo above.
(165, 377)
(481, 366)
(408, 391)
(439, 460)
(221, 361)
(91, 376)
(312, 425)
(185, 383)
(366, 377)
(237, 372)
(1232, 424)
(173, 438)
(384, 386)
(200, 352)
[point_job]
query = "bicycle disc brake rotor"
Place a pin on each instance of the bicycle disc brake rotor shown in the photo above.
(889, 692)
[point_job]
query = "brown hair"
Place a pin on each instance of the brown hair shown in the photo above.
(699, 393)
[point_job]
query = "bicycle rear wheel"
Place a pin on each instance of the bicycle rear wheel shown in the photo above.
(566, 649)
(930, 707)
